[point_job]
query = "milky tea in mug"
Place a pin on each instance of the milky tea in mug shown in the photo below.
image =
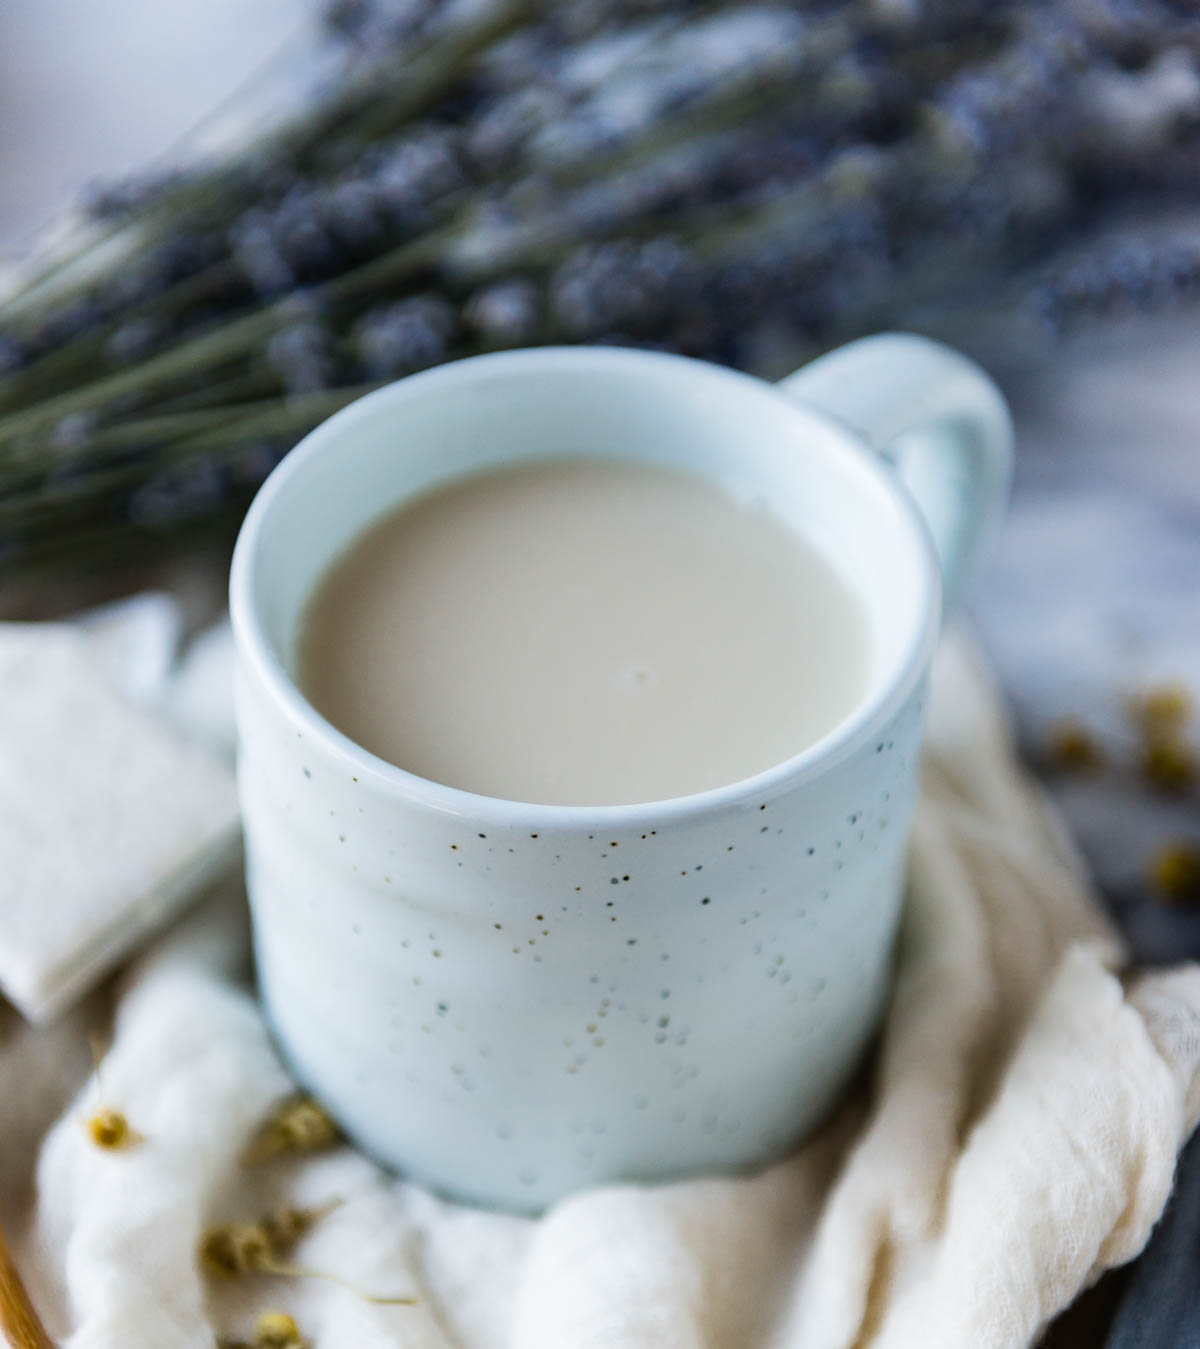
(580, 698)
(584, 632)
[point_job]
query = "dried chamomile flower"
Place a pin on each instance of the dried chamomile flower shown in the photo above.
(109, 1129)
(1177, 873)
(237, 1248)
(232, 1250)
(1161, 714)
(1169, 764)
(272, 1330)
(1072, 748)
(285, 1228)
(277, 1330)
(1161, 709)
(297, 1125)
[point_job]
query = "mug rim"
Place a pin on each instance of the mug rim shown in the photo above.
(839, 742)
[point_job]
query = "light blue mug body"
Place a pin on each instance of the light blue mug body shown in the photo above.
(510, 1001)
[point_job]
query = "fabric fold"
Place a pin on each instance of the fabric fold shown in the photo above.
(1012, 1137)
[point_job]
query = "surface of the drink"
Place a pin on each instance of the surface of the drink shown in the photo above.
(583, 632)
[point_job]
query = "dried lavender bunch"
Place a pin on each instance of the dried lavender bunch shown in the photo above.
(1126, 271)
(730, 180)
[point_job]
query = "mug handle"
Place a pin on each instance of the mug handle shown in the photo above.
(937, 418)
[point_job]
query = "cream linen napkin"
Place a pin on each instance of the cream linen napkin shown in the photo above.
(1015, 1136)
(109, 819)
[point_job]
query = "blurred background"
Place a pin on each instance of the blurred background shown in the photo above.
(220, 222)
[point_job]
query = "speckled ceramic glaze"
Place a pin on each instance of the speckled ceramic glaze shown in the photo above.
(510, 1001)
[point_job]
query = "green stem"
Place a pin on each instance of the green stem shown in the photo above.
(382, 104)
(80, 245)
(181, 438)
(724, 107)
(85, 354)
(463, 258)
(247, 385)
(753, 95)
(222, 344)
(272, 419)
(231, 340)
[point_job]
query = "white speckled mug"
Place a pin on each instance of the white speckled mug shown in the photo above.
(510, 1001)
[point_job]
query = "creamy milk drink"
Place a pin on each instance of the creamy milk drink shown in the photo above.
(583, 632)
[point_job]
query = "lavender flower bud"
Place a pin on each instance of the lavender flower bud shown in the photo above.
(501, 129)
(1139, 112)
(71, 321)
(1128, 273)
(74, 431)
(302, 356)
(133, 340)
(352, 210)
(346, 17)
(618, 286)
(125, 196)
(256, 253)
(376, 24)
(408, 335)
(12, 356)
(177, 494)
(1000, 106)
(422, 168)
(505, 314)
(298, 228)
